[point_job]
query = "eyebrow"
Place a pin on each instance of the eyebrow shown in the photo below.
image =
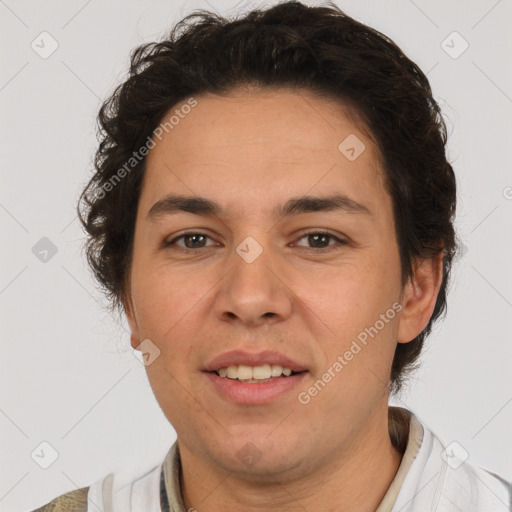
(172, 204)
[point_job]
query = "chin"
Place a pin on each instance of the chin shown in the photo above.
(255, 465)
(259, 451)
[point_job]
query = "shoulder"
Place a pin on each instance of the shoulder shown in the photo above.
(441, 478)
(476, 487)
(73, 501)
(117, 492)
(457, 484)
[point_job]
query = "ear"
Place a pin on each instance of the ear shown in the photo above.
(419, 297)
(132, 322)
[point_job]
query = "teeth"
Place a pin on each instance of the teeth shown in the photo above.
(247, 373)
(232, 372)
(244, 372)
(276, 370)
(260, 372)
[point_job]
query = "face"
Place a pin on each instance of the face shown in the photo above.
(267, 280)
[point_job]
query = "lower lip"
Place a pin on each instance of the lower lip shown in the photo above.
(257, 393)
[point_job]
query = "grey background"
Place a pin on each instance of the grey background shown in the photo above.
(68, 373)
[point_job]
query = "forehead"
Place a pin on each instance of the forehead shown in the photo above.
(258, 141)
(289, 123)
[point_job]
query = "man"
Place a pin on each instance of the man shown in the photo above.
(273, 210)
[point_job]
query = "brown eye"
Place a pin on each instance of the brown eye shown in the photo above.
(191, 240)
(320, 240)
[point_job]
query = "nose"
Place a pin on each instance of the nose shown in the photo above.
(254, 291)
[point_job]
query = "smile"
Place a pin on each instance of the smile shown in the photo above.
(254, 374)
(254, 391)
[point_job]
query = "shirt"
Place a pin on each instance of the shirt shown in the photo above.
(431, 477)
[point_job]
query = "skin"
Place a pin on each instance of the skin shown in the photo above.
(250, 151)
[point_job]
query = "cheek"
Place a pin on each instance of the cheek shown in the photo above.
(164, 299)
(355, 293)
(359, 305)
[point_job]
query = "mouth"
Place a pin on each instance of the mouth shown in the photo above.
(253, 379)
(255, 374)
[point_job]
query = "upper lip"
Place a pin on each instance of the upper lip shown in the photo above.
(238, 357)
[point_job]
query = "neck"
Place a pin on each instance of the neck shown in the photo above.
(356, 478)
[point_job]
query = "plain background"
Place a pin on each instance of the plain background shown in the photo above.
(68, 373)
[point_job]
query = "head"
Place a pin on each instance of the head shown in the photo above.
(327, 228)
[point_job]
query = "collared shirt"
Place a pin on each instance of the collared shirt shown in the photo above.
(430, 478)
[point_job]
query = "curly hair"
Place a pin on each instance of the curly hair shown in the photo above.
(319, 49)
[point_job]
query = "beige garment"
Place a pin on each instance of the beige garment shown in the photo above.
(406, 434)
(74, 501)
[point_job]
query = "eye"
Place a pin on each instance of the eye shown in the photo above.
(191, 240)
(320, 240)
(196, 240)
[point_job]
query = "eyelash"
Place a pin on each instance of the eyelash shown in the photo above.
(339, 241)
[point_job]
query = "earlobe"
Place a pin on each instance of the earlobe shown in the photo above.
(134, 341)
(130, 316)
(419, 297)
